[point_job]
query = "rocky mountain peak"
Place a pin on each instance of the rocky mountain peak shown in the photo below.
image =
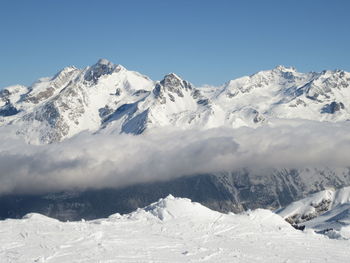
(171, 79)
(175, 84)
(102, 67)
(103, 61)
(281, 68)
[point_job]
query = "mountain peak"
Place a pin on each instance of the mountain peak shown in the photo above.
(102, 67)
(103, 61)
(172, 207)
(171, 78)
(284, 69)
(54, 109)
(172, 75)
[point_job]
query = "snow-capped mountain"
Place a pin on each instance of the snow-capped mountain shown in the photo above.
(170, 230)
(72, 101)
(108, 98)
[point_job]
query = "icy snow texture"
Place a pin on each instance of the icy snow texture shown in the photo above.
(171, 230)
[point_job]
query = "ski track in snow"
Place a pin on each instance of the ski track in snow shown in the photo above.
(172, 230)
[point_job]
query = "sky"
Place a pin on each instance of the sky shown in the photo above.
(205, 42)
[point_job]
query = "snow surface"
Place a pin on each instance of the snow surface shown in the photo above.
(171, 230)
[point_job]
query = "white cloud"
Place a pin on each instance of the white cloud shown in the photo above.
(99, 161)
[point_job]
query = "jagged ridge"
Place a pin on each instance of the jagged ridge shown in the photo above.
(108, 98)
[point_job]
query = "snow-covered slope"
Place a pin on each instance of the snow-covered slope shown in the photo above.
(72, 101)
(327, 211)
(170, 230)
(285, 93)
(108, 98)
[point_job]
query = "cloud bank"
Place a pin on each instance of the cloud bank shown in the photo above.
(98, 161)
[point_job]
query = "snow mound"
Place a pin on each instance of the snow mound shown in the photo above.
(174, 210)
(38, 217)
(172, 207)
(265, 216)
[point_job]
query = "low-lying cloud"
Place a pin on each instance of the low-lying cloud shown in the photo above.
(98, 161)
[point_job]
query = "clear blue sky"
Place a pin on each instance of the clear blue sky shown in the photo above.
(202, 41)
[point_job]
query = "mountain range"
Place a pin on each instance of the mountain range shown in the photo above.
(106, 98)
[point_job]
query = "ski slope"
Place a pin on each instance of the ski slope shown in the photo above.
(170, 230)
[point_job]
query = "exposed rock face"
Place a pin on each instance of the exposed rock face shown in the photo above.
(333, 107)
(72, 101)
(327, 212)
(174, 84)
(41, 95)
(102, 67)
(8, 110)
(319, 208)
(158, 92)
